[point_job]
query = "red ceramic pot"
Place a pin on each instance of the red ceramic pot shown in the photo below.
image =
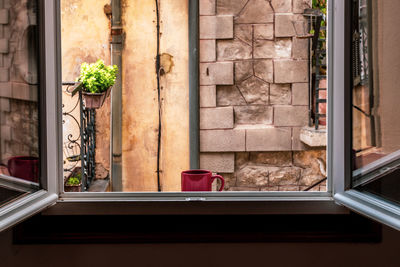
(26, 168)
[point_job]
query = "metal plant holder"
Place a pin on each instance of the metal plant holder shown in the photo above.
(79, 151)
(310, 28)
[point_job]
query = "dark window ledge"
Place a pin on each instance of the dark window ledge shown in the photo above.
(42, 229)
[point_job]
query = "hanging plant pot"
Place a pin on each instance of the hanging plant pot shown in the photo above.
(95, 100)
(93, 81)
(73, 187)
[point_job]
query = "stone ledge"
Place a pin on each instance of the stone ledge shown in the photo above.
(312, 137)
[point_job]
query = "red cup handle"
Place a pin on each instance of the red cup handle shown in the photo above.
(221, 179)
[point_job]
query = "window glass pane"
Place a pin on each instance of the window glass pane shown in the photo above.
(263, 96)
(19, 96)
(376, 127)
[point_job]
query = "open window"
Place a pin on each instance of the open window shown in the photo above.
(29, 128)
(361, 163)
(252, 107)
(374, 183)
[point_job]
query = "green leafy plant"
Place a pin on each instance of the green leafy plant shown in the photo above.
(97, 77)
(320, 4)
(74, 180)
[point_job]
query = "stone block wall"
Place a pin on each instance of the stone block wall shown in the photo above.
(254, 95)
(19, 122)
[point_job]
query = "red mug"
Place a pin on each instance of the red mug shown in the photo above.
(199, 180)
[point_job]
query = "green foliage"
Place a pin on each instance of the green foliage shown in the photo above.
(74, 180)
(320, 4)
(97, 77)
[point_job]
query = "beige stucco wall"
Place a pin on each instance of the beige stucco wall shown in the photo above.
(140, 105)
(85, 37)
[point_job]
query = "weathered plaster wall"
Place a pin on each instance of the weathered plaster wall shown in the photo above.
(140, 105)
(254, 95)
(85, 38)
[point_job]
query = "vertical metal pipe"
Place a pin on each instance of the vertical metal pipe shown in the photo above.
(116, 98)
(194, 129)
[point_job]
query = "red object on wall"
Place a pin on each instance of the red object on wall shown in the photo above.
(199, 180)
(24, 167)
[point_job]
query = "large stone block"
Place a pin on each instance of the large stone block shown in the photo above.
(300, 48)
(244, 32)
(280, 94)
(208, 96)
(290, 115)
(230, 181)
(243, 70)
(216, 27)
(5, 104)
(4, 47)
(207, 7)
(253, 115)
(220, 73)
(4, 16)
(216, 118)
(269, 139)
(284, 26)
(291, 71)
(284, 176)
(255, 91)
(309, 159)
(241, 159)
(264, 69)
(300, 5)
(313, 163)
(5, 132)
(281, 48)
(252, 176)
(24, 91)
(208, 52)
(300, 94)
(256, 11)
(222, 140)
(297, 145)
(4, 74)
(274, 159)
(233, 50)
(218, 162)
(229, 96)
(282, 6)
(5, 90)
(230, 7)
(264, 49)
(264, 31)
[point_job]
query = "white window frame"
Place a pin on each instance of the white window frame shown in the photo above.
(25, 207)
(114, 203)
(367, 204)
(228, 202)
